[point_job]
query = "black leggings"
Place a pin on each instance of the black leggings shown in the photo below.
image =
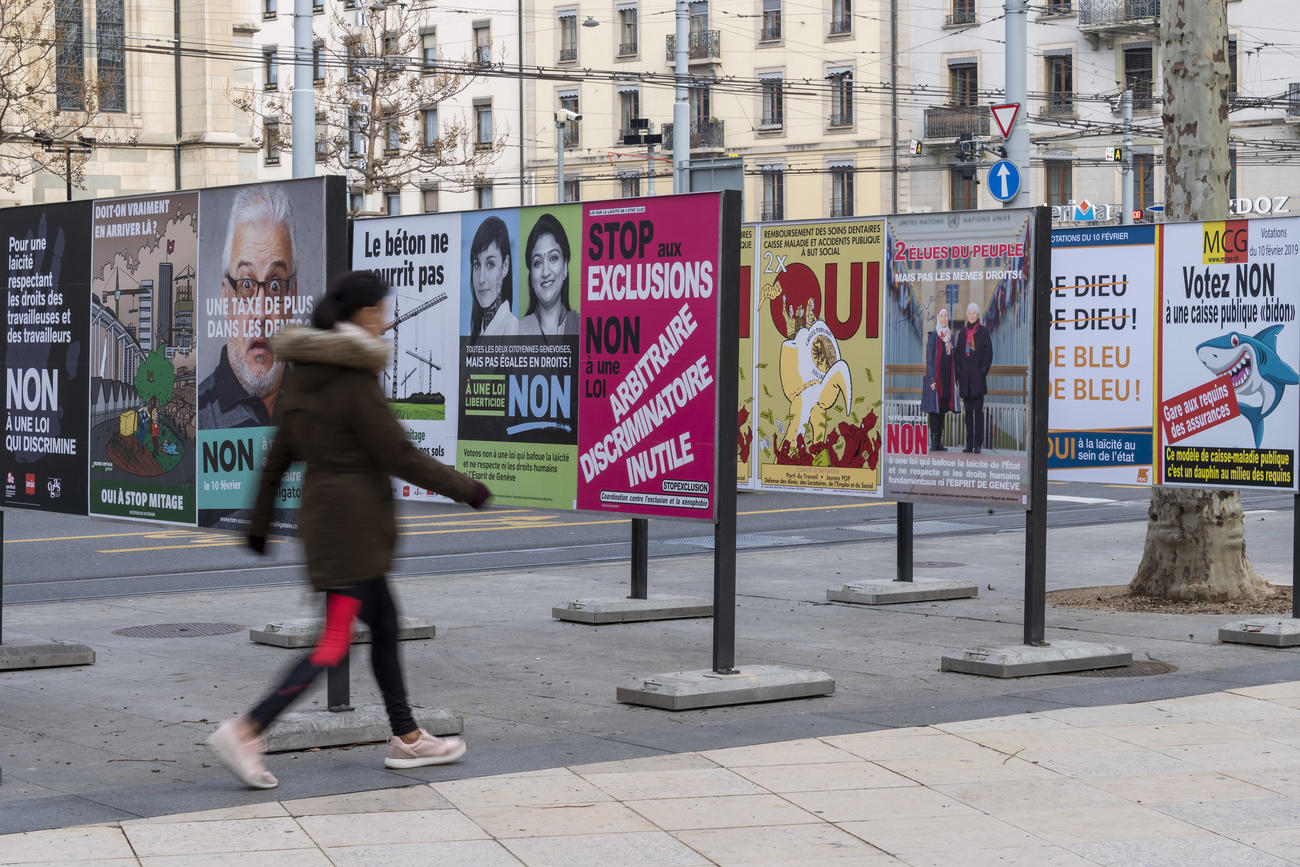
(374, 604)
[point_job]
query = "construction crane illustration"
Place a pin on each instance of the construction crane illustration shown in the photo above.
(432, 366)
(398, 319)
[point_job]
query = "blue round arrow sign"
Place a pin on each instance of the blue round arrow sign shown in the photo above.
(1004, 180)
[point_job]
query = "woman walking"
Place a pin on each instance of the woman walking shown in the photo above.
(331, 414)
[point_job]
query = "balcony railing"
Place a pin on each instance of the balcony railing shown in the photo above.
(1117, 14)
(1058, 7)
(1059, 104)
(841, 25)
(771, 211)
(626, 49)
(951, 121)
(568, 55)
(705, 135)
(959, 17)
(771, 33)
(841, 207)
(843, 117)
(702, 45)
(1293, 99)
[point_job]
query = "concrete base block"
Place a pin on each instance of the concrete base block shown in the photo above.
(621, 610)
(302, 633)
(366, 724)
(1268, 631)
(895, 592)
(1022, 660)
(28, 653)
(688, 690)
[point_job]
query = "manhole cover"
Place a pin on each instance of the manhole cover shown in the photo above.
(1135, 669)
(936, 564)
(179, 630)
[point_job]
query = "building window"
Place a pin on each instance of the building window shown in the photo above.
(428, 50)
(1060, 84)
(355, 201)
(1232, 173)
(841, 17)
(627, 33)
(1138, 76)
(961, 190)
(963, 84)
(483, 196)
(392, 203)
(568, 36)
(483, 125)
(482, 43)
(271, 142)
(356, 138)
(392, 135)
(70, 56)
(963, 12)
(322, 139)
(110, 53)
(773, 101)
(1144, 182)
(573, 190)
(429, 199)
(701, 103)
(356, 52)
(773, 194)
(317, 7)
(270, 69)
(1060, 182)
(317, 62)
(841, 81)
(629, 107)
(429, 126)
(771, 21)
(569, 102)
(842, 191)
(1059, 7)
(268, 8)
(1232, 67)
(630, 186)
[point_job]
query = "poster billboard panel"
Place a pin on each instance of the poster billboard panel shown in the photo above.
(520, 304)
(144, 261)
(819, 356)
(419, 257)
(651, 287)
(262, 265)
(1102, 389)
(47, 339)
(1228, 412)
(746, 384)
(958, 323)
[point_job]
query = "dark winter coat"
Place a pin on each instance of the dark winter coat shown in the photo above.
(973, 370)
(940, 371)
(332, 414)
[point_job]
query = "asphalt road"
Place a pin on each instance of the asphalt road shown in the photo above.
(51, 557)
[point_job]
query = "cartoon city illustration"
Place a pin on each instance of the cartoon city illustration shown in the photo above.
(1259, 377)
(142, 359)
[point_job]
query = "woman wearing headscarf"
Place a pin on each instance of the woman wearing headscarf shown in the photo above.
(332, 415)
(939, 390)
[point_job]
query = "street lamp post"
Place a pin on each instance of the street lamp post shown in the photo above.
(83, 145)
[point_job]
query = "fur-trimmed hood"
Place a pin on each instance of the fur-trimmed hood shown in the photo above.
(346, 345)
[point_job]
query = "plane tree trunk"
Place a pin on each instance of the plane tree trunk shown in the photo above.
(1196, 540)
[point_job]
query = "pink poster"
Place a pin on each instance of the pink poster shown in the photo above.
(651, 283)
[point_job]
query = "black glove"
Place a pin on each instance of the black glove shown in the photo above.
(257, 544)
(478, 499)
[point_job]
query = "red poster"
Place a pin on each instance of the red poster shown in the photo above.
(1199, 409)
(647, 435)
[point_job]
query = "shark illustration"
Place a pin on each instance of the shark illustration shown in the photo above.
(1259, 377)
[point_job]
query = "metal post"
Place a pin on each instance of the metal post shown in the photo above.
(1036, 517)
(893, 147)
(1018, 144)
(640, 558)
(1126, 190)
(304, 94)
(650, 163)
(728, 391)
(519, 24)
(681, 103)
(1295, 556)
(176, 75)
(67, 167)
(2, 576)
(559, 161)
(903, 540)
(338, 687)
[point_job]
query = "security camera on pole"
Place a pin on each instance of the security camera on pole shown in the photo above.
(563, 117)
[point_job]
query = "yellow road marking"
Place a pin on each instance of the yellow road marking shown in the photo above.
(819, 508)
(487, 515)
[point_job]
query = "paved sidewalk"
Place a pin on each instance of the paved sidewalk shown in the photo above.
(1211, 779)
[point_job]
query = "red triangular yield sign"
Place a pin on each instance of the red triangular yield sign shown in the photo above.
(1005, 116)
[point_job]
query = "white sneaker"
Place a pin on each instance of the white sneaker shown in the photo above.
(241, 756)
(428, 750)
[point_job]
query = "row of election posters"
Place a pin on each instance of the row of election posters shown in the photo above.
(139, 377)
(1175, 351)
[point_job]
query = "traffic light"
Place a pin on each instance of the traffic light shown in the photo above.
(966, 156)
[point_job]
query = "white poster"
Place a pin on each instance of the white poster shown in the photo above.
(1103, 356)
(1229, 352)
(418, 257)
